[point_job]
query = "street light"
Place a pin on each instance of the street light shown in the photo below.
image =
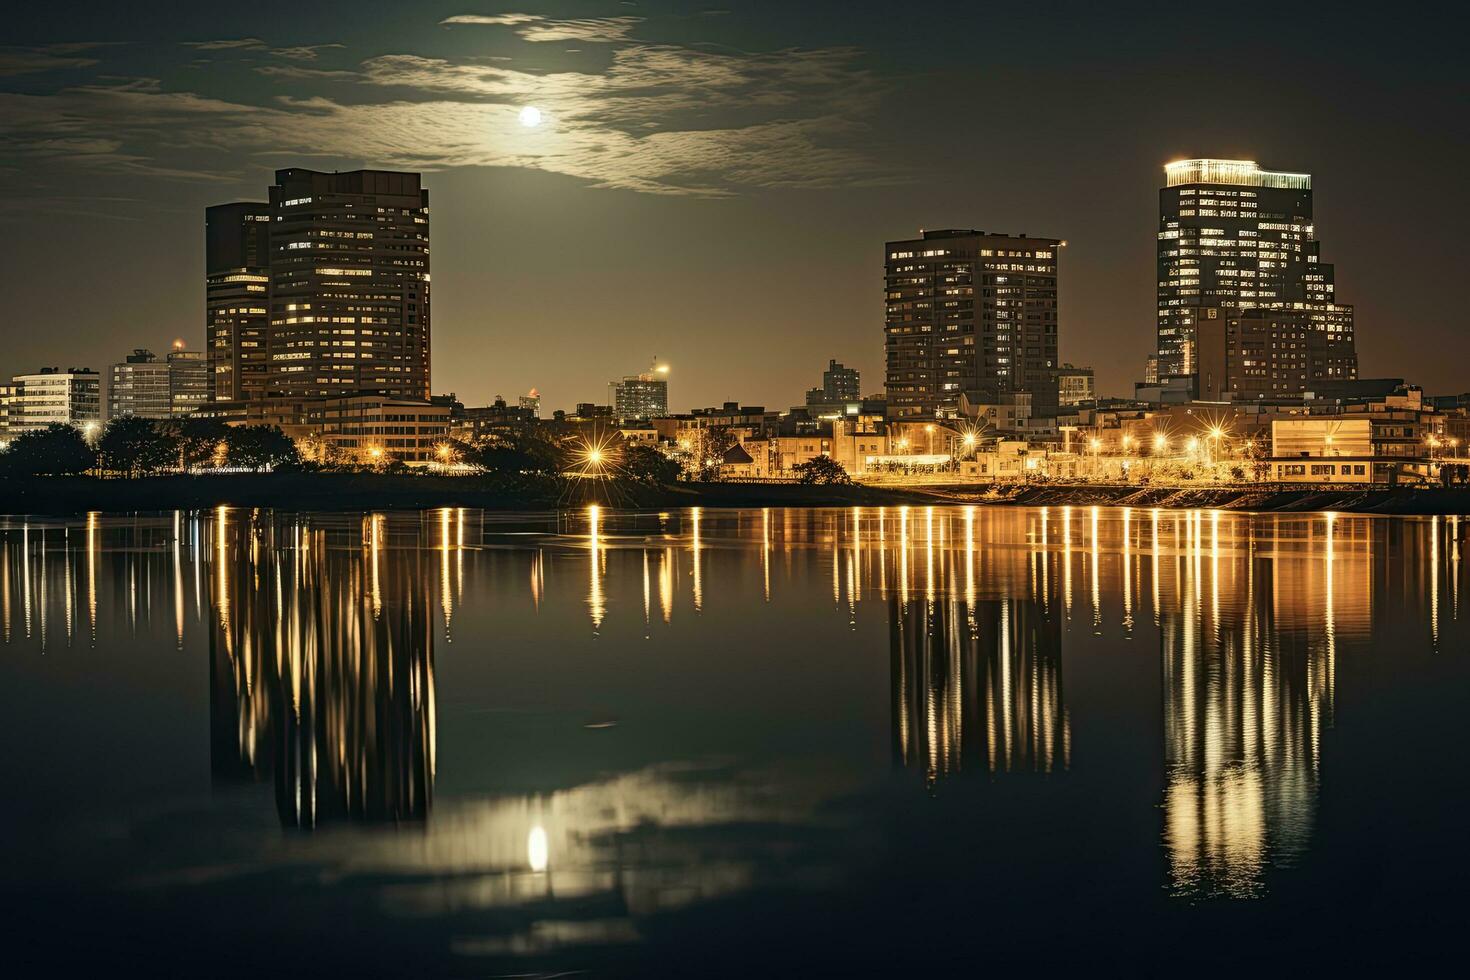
(1161, 442)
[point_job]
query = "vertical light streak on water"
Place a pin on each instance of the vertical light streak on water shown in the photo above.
(1127, 563)
(595, 601)
(766, 551)
(1215, 575)
(375, 538)
(178, 578)
(882, 552)
(66, 578)
(903, 555)
(1154, 547)
(1434, 581)
(1045, 556)
(666, 584)
(696, 547)
(5, 588)
(1007, 689)
(1067, 560)
(970, 559)
(1096, 578)
(929, 553)
(459, 554)
(446, 598)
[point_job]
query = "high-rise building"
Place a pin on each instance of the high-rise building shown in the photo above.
(1234, 237)
(139, 385)
(188, 380)
(641, 396)
(349, 284)
(53, 396)
(236, 283)
(969, 313)
(840, 384)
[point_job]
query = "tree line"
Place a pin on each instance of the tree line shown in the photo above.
(131, 447)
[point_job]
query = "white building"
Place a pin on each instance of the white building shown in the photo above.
(70, 397)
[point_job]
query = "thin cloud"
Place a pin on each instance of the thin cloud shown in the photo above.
(537, 28)
(15, 60)
(227, 44)
(595, 29)
(491, 19)
(304, 52)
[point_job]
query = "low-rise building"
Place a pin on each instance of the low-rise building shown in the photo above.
(52, 396)
(139, 386)
(1075, 385)
(371, 427)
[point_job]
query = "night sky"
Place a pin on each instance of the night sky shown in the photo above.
(714, 186)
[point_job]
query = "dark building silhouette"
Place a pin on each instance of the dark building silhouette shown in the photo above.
(236, 284)
(969, 312)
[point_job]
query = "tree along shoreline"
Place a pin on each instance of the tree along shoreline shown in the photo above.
(309, 491)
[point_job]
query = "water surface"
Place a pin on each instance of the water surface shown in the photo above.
(746, 742)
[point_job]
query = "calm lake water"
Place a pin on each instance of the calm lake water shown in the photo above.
(764, 742)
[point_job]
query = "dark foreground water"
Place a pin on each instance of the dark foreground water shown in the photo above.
(815, 742)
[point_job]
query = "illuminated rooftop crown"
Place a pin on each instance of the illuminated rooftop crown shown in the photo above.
(1244, 173)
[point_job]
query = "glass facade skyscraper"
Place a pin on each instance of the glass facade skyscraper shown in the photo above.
(1233, 237)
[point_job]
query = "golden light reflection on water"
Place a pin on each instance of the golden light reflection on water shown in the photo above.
(320, 634)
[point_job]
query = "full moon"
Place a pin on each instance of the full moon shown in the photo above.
(530, 116)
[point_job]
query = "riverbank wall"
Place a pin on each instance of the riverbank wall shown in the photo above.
(359, 492)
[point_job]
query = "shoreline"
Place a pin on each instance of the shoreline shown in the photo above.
(58, 496)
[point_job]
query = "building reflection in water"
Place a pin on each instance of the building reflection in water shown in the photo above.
(322, 665)
(321, 636)
(976, 679)
(1248, 652)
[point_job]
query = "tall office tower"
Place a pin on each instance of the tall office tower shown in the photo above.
(188, 380)
(53, 396)
(236, 281)
(349, 284)
(969, 313)
(1235, 237)
(641, 396)
(139, 385)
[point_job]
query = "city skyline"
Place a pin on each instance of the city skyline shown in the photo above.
(669, 260)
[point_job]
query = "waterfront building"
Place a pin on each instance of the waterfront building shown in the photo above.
(373, 427)
(139, 386)
(969, 312)
(349, 284)
(1235, 237)
(53, 396)
(641, 396)
(236, 287)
